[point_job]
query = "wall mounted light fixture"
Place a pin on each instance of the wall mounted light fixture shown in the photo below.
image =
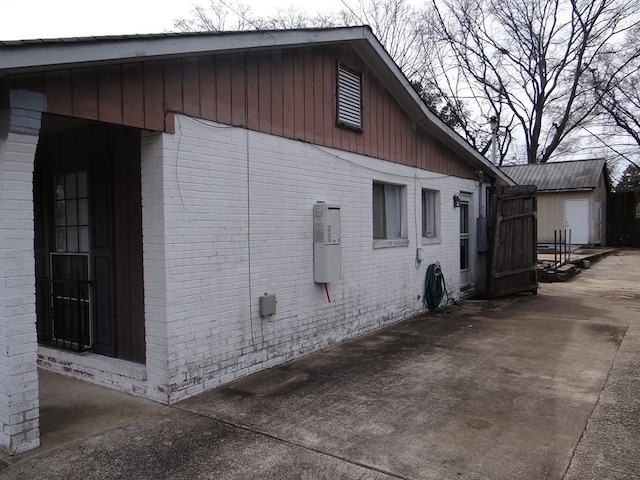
(456, 201)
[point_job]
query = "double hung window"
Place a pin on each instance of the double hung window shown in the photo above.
(388, 207)
(430, 213)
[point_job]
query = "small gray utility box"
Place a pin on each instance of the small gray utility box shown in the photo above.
(326, 243)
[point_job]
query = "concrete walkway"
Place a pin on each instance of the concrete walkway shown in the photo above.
(527, 387)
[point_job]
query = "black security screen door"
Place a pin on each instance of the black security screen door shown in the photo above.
(88, 240)
(70, 301)
(70, 278)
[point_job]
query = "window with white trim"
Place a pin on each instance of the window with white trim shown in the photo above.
(430, 213)
(349, 98)
(388, 208)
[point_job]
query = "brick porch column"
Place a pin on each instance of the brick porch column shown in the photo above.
(19, 129)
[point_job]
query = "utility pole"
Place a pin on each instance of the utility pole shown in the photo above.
(494, 138)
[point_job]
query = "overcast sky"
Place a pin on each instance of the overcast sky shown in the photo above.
(27, 19)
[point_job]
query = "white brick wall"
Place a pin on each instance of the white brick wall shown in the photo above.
(19, 430)
(154, 171)
(236, 209)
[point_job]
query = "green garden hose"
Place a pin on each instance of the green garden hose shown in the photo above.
(435, 289)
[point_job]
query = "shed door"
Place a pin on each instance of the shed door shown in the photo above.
(576, 219)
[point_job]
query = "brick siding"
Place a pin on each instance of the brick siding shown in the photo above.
(18, 343)
(227, 216)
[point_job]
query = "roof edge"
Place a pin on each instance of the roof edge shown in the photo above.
(46, 53)
(426, 119)
(94, 50)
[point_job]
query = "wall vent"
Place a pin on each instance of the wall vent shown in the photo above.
(349, 94)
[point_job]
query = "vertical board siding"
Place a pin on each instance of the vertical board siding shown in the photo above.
(223, 94)
(288, 93)
(57, 88)
(277, 94)
(132, 96)
(239, 91)
(173, 86)
(318, 99)
(207, 87)
(309, 117)
(85, 93)
(191, 87)
(298, 95)
(110, 93)
(153, 95)
(265, 94)
(254, 93)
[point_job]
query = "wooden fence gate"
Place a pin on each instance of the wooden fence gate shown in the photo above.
(513, 248)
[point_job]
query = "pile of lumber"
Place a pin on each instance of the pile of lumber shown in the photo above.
(547, 273)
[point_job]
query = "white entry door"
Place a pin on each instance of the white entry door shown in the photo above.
(576, 219)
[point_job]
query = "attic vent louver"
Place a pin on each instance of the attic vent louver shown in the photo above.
(349, 98)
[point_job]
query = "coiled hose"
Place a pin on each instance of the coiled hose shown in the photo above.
(435, 289)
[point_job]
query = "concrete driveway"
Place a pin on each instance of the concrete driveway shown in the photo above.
(527, 387)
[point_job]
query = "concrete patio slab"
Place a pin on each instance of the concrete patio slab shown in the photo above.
(542, 386)
(467, 396)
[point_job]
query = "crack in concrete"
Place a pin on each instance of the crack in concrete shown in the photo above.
(292, 443)
(595, 406)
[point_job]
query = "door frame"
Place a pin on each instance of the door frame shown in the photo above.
(112, 157)
(465, 239)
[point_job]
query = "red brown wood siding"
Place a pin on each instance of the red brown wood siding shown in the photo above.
(289, 93)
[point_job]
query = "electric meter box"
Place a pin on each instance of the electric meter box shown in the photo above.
(326, 243)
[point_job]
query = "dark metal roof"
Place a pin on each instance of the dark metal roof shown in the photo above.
(558, 176)
(147, 36)
(42, 41)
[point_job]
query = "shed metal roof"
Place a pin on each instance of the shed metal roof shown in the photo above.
(558, 176)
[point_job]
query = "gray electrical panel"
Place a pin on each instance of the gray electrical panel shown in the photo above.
(267, 305)
(326, 243)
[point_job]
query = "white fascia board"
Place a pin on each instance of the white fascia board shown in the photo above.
(52, 54)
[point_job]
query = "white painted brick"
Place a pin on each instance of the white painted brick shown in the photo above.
(217, 236)
(18, 342)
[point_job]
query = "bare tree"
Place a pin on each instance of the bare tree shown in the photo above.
(616, 81)
(528, 61)
(397, 25)
(218, 16)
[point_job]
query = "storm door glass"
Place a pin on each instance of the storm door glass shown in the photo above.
(70, 276)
